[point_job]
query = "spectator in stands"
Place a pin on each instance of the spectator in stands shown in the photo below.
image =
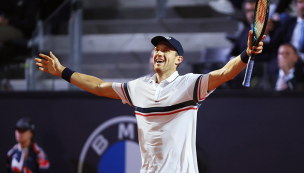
(291, 31)
(241, 42)
(17, 20)
(26, 155)
(290, 73)
(219, 5)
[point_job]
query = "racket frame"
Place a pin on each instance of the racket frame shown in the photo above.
(255, 41)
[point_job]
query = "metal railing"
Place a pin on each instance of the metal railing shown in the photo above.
(62, 25)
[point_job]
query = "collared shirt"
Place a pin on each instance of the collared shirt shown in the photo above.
(162, 84)
(166, 118)
(283, 79)
(296, 36)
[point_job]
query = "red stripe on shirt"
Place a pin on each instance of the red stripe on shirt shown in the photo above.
(158, 114)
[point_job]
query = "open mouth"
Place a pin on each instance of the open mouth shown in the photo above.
(159, 61)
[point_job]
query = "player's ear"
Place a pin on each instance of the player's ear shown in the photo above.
(179, 60)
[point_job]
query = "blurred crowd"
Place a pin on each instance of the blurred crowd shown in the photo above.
(18, 19)
(280, 66)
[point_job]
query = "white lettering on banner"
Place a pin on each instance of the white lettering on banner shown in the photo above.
(100, 144)
(125, 132)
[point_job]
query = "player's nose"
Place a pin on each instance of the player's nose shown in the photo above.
(159, 54)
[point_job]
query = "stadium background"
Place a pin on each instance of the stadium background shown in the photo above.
(241, 131)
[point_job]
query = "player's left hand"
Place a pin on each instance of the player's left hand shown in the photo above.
(255, 49)
(49, 64)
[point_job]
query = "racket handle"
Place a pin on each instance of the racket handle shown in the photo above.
(249, 68)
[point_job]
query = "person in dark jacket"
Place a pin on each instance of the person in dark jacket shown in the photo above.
(291, 31)
(18, 16)
(18, 20)
(289, 75)
(26, 155)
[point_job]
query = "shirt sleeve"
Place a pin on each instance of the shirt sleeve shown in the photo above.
(199, 83)
(203, 92)
(122, 91)
(43, 161)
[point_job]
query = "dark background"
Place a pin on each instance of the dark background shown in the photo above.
(241, 132)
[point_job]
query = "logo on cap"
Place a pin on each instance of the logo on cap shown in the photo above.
(168, 38)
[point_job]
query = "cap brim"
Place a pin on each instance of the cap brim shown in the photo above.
(158, 39)
(22, 127)
(173, 42)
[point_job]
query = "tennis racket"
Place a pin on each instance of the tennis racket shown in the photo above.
(261, 14)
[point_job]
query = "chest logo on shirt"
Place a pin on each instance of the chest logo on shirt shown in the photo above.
(112, 147)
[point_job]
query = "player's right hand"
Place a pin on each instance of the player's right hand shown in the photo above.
(49, 64)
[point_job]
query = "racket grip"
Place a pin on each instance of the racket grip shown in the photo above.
(247, 77)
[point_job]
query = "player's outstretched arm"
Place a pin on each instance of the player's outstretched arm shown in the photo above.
(51, 65)
(234, 66)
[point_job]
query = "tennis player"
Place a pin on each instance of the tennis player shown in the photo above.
(165, 104)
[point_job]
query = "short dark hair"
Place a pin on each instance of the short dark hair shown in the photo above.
(292, 46)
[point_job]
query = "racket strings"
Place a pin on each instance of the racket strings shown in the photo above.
(260, 17)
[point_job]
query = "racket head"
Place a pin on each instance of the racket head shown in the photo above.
(261, 13)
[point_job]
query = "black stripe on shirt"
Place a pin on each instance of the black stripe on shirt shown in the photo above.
(195, 99)
(166, 108)
(125, 86)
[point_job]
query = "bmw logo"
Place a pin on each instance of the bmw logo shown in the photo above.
(112, 148)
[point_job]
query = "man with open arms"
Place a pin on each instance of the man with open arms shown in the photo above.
(165, 104)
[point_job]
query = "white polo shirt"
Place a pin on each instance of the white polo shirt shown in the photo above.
(166, 116)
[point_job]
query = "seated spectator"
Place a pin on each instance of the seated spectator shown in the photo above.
(26, 155)
(240, 44)
(291, 31)
(17, 20)
(290, 73)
